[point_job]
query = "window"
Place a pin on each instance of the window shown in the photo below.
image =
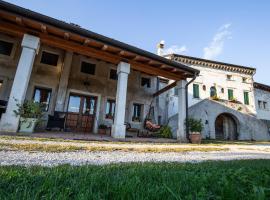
(246, 98)
(137, 109)
(196, 91)
(264, 105)
(204, 87)
(230, 94)
(222, 90)
(260, 104)
(113, 74)
(49, 58)
(213, 91)
(88, 68)
(146, 82)
(6, 48)
(42, 95)
(110, 109)
(175, 91)
(88, 105)
(74, 103)
(244, 79)
(229, 77)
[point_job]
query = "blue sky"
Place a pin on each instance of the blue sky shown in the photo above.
(230, 31)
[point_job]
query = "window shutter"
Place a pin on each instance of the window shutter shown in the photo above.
(230, 94)
(246, 98)
(196, 93)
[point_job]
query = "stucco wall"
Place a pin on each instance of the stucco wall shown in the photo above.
(248, 126)
(263, 96)
(213, 77)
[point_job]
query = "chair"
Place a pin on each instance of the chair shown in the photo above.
(58, 120)
(3, 107)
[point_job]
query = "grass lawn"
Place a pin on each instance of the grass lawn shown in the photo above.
(209, 180)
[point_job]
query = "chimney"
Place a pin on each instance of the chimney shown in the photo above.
(160, 47)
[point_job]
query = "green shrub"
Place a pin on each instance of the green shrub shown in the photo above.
(195, 125)
(165, 132)
(30, 109)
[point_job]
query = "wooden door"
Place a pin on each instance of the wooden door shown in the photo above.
(81, 113)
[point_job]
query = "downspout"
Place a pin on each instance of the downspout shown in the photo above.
(186, 95)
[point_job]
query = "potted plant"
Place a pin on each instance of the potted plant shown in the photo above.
(30, 113)
(195, 129)
(102, 129)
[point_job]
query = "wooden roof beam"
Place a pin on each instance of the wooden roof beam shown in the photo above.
(19, 21)
(168, 87)
(66, 36)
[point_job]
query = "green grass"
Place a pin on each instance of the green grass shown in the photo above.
(209, 180)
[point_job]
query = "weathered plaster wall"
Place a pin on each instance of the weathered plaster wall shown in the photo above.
(218, 78)
(248, 126)
(263, 96)
(100, 84)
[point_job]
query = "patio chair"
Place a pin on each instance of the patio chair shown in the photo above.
(57, 120)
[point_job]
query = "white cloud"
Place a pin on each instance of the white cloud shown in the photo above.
(175, 49)
(215, 47)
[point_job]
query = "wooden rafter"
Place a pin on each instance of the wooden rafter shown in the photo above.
(84, 48)
(168, 87)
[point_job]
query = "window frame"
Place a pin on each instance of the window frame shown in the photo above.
(196, 91)
(230, 97)
(110, 109)
(265, 105)
(133, 113)
(150, 82)
(229, 79)
(246, 98)
(90, 62)
(50, 97)
(50, 52)
(14, 47)
(109, 76)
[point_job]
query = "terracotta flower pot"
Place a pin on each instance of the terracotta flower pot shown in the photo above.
(195, 137)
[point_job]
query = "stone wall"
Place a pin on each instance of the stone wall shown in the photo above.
(263, 96)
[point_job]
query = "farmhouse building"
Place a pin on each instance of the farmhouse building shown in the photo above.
(93, 80)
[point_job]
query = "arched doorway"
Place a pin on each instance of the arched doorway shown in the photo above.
(226, 127)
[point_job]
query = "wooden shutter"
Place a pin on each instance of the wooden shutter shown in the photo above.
(196, 93)
(246, 98)
(230, 94)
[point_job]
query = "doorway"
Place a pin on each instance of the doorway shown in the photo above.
(226, 127)
(81, 113)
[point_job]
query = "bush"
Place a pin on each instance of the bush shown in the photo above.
(30, 109)
(165, 132)
(195, 125)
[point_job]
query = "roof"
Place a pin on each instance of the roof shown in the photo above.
(69, 27)
(211, 63)
(261, 86)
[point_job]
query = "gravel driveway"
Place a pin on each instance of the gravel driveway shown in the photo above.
(20, 157)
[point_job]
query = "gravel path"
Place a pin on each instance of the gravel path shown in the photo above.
(20, 157)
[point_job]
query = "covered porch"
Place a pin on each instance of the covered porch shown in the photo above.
(94, 71)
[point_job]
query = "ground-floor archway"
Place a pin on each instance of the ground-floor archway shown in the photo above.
(226, 127)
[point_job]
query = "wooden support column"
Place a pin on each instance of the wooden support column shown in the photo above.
(63, 83)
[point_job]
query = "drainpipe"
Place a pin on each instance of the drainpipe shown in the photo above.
(186, 91)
